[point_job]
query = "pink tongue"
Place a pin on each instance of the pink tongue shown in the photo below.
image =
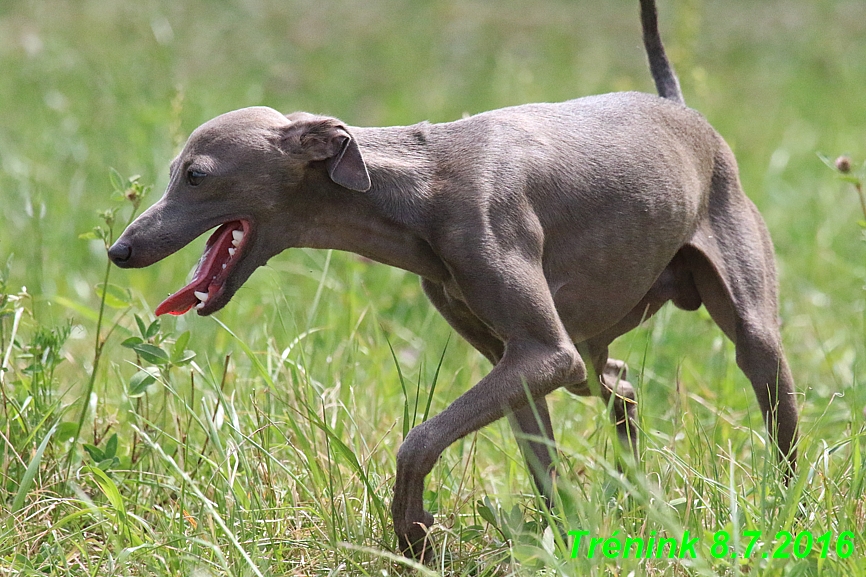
(215, 253)
(179, 302)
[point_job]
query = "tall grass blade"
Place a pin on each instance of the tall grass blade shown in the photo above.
(315, 305)
(208, 505)
(350, 456)
(31, 472)
(4, 367)
(435, 380)
(406, 426)
(112, 493)
(398, 559)
(257, 364)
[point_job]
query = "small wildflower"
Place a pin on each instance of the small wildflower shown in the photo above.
(843, 164)
(135, 191)
(107, 216)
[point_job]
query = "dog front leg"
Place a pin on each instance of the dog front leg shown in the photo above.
(531, 424)
(497, 273)
(540, 367)
(534, 433)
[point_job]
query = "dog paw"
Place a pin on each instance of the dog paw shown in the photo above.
(615, 370)
(615, 375)
(414, 538)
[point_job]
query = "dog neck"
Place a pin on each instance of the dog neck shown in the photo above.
(385, 222)
(400, 169)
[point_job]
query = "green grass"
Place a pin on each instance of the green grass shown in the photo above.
(271, 451)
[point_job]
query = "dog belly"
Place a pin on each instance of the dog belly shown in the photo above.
(599, 268)
(589, 310)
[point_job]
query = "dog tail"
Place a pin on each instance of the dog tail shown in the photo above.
(667, 84)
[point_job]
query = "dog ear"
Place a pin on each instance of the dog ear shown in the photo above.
(348, 168)
(325, 139)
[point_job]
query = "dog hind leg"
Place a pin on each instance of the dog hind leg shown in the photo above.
(732, 263)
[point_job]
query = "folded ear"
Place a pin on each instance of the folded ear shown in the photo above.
(347, 168)
(316, 138)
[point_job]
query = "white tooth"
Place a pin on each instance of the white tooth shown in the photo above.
(231, 252)
(199, 306)
(238, 235)
(201, 296)
(224, 266)
(235, 242)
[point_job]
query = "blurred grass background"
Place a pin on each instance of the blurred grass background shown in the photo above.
(89, 85)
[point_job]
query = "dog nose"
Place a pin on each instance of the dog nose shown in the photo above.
(119, 253)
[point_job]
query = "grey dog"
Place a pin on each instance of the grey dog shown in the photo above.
(538, 231)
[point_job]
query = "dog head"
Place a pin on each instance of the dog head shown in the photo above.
(253, 174)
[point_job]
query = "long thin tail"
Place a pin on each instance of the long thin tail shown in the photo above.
(667, 84)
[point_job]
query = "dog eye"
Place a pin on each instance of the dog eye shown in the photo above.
(195, 177)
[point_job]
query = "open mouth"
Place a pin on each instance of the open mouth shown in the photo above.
(224, 249)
